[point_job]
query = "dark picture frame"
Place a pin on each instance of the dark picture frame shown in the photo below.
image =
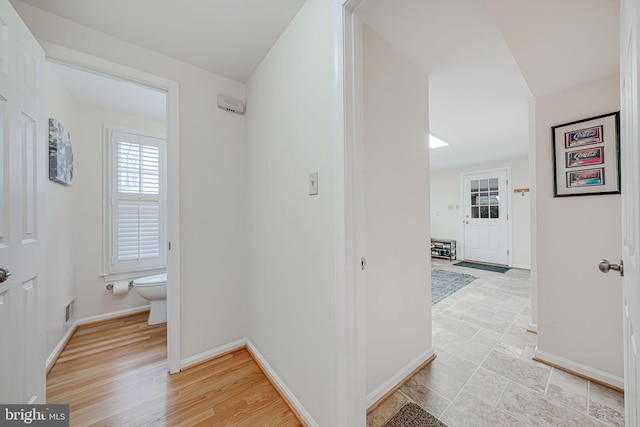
(586, 156)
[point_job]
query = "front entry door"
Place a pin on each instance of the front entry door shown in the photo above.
(486, 227)
(23, 164)
(629, 134)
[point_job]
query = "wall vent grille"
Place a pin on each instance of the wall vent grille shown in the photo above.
(69, 311)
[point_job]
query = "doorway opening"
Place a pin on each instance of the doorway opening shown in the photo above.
(103, 96)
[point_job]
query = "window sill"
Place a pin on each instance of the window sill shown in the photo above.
(130, 275)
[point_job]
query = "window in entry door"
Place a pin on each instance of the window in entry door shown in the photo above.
(485, 199)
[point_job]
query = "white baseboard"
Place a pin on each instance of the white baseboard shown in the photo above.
(533, 327)
(402, 374)
(210, 354)
(581, 369)
(521, 266)
(61, 344)
(112, 315)
(282, 387)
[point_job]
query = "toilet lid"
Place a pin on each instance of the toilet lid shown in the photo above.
(156, 279)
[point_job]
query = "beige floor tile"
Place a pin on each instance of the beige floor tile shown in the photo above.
(486, 385)
(528, 373)
(490, 335)
(469, 411)
(422, 395)
(442, 378)
(473, 349)
(386, 409)
(462, 365)
(522, 352)
(497, 321)
(515, 304)
(539, 410)
(606, 404)
(568, 389)
(450, 323)
(517, 336)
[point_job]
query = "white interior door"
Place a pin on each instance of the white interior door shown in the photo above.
(23, 163)
(486, 227)
(630, 157)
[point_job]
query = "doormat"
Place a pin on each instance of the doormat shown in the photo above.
(444, 283)
(412, 415)
(486, 267)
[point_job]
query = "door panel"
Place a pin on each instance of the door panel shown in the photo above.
(629, 118)
(23, 164)
(485, 207)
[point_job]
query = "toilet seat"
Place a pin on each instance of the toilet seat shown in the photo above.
(157, 279)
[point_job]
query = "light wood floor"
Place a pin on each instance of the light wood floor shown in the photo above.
(115, 374)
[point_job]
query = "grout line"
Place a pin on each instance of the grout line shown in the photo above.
(588, 396)
(407, 397)
(504, 390)
(546, 387)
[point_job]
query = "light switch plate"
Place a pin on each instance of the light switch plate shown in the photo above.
(313, 184)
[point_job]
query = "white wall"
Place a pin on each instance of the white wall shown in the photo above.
(446, 191)
(396, 177)
(213, 295)
(88, 208)
(60, 218)
(290, 233)
(579, 308)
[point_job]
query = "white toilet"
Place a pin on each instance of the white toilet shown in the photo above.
(154, 289)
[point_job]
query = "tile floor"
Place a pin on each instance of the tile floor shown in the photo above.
(484, 375)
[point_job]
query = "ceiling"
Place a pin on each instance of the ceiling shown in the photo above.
(485, 58)
(108, 93)
(205, 33)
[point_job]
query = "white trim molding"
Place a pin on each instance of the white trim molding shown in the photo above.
(580, 369)
(70, 57)
(521, 266)
(112, 315)
(400, 376)
(350, 389)
(210, 354)
(60, 346)
(281, 386)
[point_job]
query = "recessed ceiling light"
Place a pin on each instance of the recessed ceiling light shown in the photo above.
(435, 142)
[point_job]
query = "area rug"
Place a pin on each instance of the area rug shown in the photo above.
(412, 415)
(486, 267)
(444, 283)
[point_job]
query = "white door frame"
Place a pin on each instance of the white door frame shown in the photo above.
(351, 402)
(506, 169)
(76, 59)
(629, 98)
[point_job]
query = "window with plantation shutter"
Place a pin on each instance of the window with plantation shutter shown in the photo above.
(136, 202)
